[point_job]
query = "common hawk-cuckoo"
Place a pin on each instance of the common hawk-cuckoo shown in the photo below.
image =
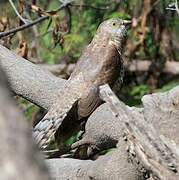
(100, 63)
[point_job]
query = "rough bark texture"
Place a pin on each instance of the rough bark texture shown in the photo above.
(19, 158)
(157, 156)
(162, 110)
(28, 80)
(113, 166)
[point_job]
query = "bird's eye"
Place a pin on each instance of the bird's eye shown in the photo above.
(114, 24)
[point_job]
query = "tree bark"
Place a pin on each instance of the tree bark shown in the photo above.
(114, 166)
(19, 158)
(29, 80)
(157, 155)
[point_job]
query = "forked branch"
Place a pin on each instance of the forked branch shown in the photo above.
(158, 156)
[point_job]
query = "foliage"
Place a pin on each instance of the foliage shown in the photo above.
(168, 86)
(138, 91)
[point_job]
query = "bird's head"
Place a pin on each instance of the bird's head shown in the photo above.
(115, 30)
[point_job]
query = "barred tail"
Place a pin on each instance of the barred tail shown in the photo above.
(47, 127)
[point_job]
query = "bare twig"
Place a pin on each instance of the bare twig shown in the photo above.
(25, 21)
(65, 3)
(174, 7)
(25, 26)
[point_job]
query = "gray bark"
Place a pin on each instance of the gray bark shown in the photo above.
(19, 158)
(157, 155)
(29, 80)
(113, 166)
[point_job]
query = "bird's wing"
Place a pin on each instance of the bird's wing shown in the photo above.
(89, 101)
(47, 127)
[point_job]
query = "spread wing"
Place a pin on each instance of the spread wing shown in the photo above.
(47, 127)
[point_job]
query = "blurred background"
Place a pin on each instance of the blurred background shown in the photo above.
(151, 54)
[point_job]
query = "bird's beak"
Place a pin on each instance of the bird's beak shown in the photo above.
(127, 22)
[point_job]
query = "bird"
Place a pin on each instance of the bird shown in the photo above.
(100, 63)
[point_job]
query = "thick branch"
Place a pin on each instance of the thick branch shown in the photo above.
(114, 165)
(103, 130)
(156, 155)
(18, 156)
(29, 80)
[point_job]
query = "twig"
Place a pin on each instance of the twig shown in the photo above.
(174, 7)
(25, 21)
(25, 26)
(145, 143)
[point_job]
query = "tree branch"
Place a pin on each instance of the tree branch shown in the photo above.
(114, 165)
(102, 129)
(157, 156)
(24, 26)
(25, 21)
(27, 25)
(18, 153)
(29, 80)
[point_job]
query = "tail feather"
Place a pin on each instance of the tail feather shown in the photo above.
(47, 127)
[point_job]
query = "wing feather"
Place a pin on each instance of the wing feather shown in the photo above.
(47, 127)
